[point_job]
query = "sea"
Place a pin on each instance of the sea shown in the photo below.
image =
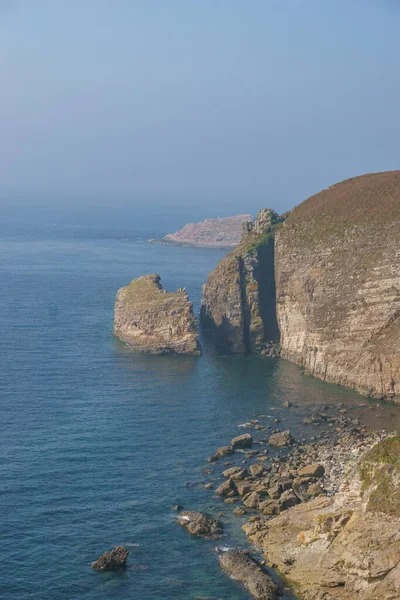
(98, 443)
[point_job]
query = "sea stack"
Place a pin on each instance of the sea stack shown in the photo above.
(155, 321)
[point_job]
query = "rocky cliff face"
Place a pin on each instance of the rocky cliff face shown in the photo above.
(345, 546)
(153, 320)
(338, 284)
(238, 304)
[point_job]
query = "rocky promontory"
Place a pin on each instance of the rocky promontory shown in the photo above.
(238, 305)
(346, 545)
(338, 284)
(155, 321)
(212, 233)
(321, 287)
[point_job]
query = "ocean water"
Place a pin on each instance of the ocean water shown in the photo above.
(98, 443)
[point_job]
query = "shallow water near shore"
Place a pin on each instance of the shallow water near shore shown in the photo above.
(98, 443)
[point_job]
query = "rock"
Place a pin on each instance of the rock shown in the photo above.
(225, 488)
(111, 561)
(249, 572)
(346, 545)
(315, 490)
(243, 487)
(257, 470)
(269, 507)
(275, 491)
(211, 233)
(209, 486)
(235, 473)
(224, 451)
(199, 523)
(242, 441)
(154, 321)
(313, 470)
(281, 439)
(251, 500)
(241, 291)
(288, 499)
(287, 404)
(239, 511)
(337, 282)
(177, 507)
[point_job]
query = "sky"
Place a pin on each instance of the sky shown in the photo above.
(227, 105)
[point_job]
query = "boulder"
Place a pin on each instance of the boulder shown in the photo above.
(251, 500)
(241, 567)
(111, 561)
(269, 507)
(199, 523)
(239, 511)
(242, 486)
(235, 473)
(280, 440)
(242, 441)
(313, 470)
(288, 499)
(225, 488)
(257, 470)
(224, 451)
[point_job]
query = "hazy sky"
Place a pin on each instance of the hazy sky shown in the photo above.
(239, 103)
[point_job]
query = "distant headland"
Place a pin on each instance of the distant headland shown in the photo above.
(211, 233)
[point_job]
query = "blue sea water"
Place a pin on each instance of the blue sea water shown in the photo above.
(98, 443)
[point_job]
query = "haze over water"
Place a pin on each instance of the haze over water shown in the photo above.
(98, 443)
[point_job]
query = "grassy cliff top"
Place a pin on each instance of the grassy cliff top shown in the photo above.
(148, 289)
(368, 200)
(380, 476)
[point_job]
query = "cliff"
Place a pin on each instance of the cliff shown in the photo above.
(338, 284)
(342, 546)
(155, 321)
(212, 233)
(238, 302)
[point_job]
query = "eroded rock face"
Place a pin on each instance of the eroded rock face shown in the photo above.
(338, 284)
(250, 573)
(154, 321)
(344, 546)
(199, 523)
(111, 561)
(238, 303)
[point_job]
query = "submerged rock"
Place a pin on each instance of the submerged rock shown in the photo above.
(250, 573)
(199, 523)
(111, 561)
(154, 321)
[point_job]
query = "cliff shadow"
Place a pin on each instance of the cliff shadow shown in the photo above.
(265, 275)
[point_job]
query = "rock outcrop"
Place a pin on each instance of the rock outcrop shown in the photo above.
(238, 304)
(154, 321)
(111, 561)
(211, 233)
(243, 568)
(338, 284)
(345, 546)
(199, 523)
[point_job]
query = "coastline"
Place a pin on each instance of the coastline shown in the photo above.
(166, 242)
(315, 529)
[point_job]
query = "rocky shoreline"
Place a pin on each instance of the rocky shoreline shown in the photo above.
(310, 509)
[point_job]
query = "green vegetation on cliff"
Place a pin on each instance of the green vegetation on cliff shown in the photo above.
(380, 476)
